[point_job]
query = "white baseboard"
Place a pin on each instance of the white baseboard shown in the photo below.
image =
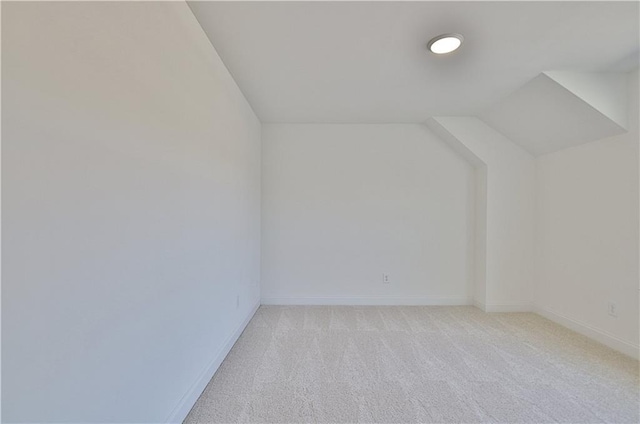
(593, 333)
(506, 307)
(185, 404)
(368, 300)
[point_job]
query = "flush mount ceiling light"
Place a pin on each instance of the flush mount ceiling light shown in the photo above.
(445, 43)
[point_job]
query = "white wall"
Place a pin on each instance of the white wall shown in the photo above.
(505, 220)
(343, 204)
(131, 210)
(587, 226)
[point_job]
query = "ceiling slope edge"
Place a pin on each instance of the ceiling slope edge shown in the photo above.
(441, 130)
(475, 140)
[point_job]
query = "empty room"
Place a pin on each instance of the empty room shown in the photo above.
(320, 212)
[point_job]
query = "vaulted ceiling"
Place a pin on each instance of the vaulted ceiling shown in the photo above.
(360, 62)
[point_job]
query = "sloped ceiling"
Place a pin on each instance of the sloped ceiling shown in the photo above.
(367, 62)
(544, 115)
(604, 91)
(361, 62)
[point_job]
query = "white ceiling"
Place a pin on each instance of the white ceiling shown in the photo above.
(543, 116)
(367, 61)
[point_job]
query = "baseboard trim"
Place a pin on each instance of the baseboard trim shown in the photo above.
(587, 330)
(368, 301)
(507, 307)
(185, 404)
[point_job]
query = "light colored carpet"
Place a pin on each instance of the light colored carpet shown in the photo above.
(405, 364)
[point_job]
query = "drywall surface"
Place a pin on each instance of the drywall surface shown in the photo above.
(345, 204)
(131, 210)
(587, 225)
(604, 91)
(505, 220)
(545, 115)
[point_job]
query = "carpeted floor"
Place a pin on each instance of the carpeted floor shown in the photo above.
(406, 364)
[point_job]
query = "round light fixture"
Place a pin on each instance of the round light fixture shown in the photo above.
(445, 43)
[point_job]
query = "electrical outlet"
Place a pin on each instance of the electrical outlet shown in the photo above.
(613, 309)
(386, 279)
(237, 301)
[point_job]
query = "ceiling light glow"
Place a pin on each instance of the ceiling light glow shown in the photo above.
(445, 43)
